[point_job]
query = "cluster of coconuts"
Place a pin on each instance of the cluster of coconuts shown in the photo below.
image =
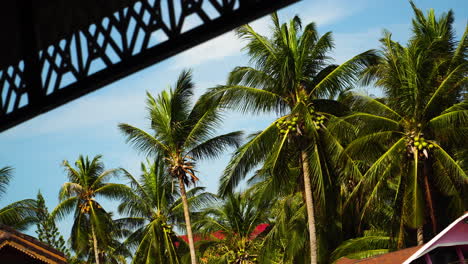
(241, 255)
(285, 125)
(167, 228)
(85, 208)
(421, 143)
(317, 118)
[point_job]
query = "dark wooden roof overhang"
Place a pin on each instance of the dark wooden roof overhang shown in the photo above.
(27, 245)
(54, 51)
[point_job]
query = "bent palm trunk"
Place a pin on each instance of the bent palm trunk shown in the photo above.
(310, 208)
(183, 194)
(96, 254)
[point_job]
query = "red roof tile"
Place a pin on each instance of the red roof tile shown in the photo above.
(220, 235)
(395, 257)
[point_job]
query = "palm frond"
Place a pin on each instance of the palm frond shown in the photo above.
(362, 247)
(246, 158)
(346, 74)
(250, 99)
(215, 146)
(141, 140)
(5, 177)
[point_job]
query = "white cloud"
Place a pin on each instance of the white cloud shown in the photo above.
(322, 12)
(226, 45)
(86, 112)
(221, 47)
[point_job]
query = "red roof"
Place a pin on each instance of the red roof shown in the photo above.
(220, 235)
(396, 257)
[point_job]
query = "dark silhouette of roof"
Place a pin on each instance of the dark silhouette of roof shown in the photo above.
(16, 247)
(54, 51)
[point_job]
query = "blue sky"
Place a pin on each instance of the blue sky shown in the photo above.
(88, 125)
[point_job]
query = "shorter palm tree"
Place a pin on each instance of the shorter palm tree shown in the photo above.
(233, 229)
(155, 209)
(92, 226)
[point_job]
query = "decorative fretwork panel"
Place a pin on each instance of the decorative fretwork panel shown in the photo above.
(132, 38)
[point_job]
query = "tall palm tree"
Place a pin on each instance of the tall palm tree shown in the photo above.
(182, 135)
(87, 181)
(231, 228)
(20, 214)
(292, 76)
(407, 139)
(154, 209)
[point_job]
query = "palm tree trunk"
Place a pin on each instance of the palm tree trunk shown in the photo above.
(310, 208)
(96, 254)
(401, 235)
(420, 234)
(429, 200)
(183, 194)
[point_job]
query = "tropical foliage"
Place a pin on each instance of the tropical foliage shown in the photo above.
(232, 229)
(292, 77)
(20, 214)
(337, 174)
(408, 139)
(46, 229)
(183, 134)
(92, 224)
(155, 211)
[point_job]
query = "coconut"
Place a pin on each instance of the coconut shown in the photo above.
(424, 144)
(416, 144)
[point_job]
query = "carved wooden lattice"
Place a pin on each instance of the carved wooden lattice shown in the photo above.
(130, 39)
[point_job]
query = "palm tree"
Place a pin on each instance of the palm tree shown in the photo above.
(154, 209)
(293, 78)
(87, 181)
(287, 240)
(19, 215)
(182, 135)
(231, 228)
(408, 138)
